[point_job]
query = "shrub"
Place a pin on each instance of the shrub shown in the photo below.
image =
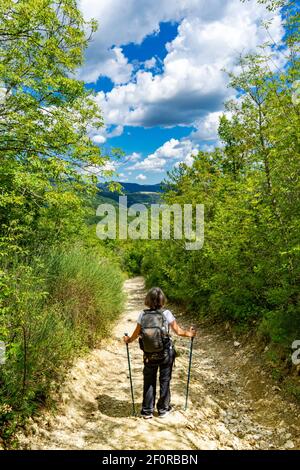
(55, 307)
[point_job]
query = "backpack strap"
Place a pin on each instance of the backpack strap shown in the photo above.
(165, 319)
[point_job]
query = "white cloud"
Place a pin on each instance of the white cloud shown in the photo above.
(150, 64)
(98, 139)
(141, 177)
(116, 132)
(131, 21)
(100, 136)
(173, 150)
(151, 163)
(133, 157)
(114, 65)
(193, 83)
(207, 127)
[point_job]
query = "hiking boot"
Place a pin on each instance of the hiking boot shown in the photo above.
(163, 414)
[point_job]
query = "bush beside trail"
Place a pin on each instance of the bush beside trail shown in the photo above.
(58, 306)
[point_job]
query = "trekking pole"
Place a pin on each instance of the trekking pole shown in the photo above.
(131, 386)
(189, 373)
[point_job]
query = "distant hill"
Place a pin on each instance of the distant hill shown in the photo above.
(136, 193)
(135, 187)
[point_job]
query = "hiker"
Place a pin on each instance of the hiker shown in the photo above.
(153, 326)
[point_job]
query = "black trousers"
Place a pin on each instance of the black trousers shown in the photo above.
(150, 375)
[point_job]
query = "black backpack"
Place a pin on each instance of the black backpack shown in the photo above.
(154, 336)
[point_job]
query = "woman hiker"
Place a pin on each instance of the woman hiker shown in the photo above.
(152, 329)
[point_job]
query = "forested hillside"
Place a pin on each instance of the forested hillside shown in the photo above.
(135, 193)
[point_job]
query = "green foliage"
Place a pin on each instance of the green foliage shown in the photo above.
(45, 115)
(88, 289)
(132, 254)
(56, 307)
(281, 326)
(55, 301)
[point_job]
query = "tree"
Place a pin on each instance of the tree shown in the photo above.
(46, 115)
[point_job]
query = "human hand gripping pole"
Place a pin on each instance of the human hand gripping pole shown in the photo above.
(130, 377)
(189, 372)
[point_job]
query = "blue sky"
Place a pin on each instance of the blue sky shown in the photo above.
(157, 69)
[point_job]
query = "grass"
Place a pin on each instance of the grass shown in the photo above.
(60, 305)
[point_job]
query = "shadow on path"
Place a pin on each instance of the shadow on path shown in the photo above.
(115, 408)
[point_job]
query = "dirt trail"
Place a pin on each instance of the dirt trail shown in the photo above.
(232, 405)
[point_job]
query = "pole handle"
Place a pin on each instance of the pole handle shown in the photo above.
(192, 337)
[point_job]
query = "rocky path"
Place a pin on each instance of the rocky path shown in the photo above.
(233, 404)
